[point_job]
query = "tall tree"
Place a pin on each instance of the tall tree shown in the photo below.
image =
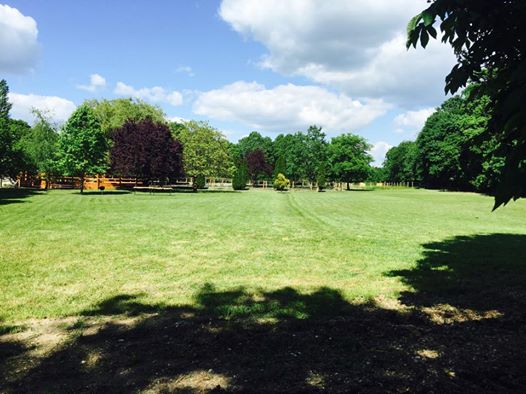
(112, 114)
(83, 148)
(205, 150)
(349, 158)
(145, 149)
(12, 157)
(315, 152)
(488, 39)
(40, 146)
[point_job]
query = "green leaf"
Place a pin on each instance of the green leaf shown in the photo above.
(428, 18)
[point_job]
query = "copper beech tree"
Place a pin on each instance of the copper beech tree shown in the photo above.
(146, 149)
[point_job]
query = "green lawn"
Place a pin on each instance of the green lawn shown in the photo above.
(362, 291)
(63, 253)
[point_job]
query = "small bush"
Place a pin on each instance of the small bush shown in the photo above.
(281, 183)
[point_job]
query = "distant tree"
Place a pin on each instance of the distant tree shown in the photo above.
(292, 148)
(146, 149)
(401, 162)
(252, 142)
(7, 139)
(239, 181)
(377, 174)
(40, 145)
(315, 154)
(488, 40)
(322, 176)
(349, 158)
(206, 151)
(12, 157)
(257, 165)
(112, 114)
(280, 167)
(83, 148)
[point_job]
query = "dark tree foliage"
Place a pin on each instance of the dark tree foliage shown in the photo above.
(146, 149)
(239, 181)
(257, 165)
(488, 39)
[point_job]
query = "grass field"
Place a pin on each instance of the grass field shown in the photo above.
(400, 280)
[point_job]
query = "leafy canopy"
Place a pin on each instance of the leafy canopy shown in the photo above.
(205, 149)
(488, 39)
(145, 149)
(83, 147)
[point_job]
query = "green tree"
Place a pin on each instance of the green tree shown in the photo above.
(315, 152)
(239, 181)
(112, 114)
(40, 146)
(349, 158)
(401, 162)
(254, 141)
(6, 136)
(280, 167)
(83, 148)
(488, 40)
(205, 150)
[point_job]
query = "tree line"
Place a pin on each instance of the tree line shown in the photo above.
(129, 138)
(453, 150)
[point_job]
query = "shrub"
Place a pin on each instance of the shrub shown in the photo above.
(281, 183)
(321, 178)
(200, 182)
(239, 182)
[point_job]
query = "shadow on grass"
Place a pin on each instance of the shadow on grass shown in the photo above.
(15, 196)
(289, 341)
(481, 272)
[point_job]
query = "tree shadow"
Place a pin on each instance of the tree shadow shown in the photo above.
(15, 196)
(241, 340)
(479, 272)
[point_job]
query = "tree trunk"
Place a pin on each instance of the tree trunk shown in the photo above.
(82, 184)
(348, 186)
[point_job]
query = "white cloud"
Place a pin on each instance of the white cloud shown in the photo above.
(287, 107)
(59, 109)
(412, 121)
(378, 152)
(354, 45)
(18, 41)
(186, 70)
(155, 95)
(96, 81)
(176, 119)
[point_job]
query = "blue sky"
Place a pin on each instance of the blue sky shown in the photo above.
(272, 66)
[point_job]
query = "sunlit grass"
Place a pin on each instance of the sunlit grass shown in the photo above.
(63, 253)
